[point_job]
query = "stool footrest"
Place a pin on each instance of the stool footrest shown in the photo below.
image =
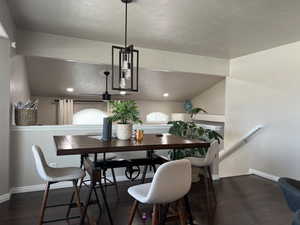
(72, 205)
(61, 219)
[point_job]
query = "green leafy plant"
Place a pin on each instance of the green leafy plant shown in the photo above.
(125, 112)
(194, 111)
(192, 131)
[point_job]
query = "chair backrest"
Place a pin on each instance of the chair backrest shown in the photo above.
(171, 182)
(291, 191)
(40, 162)
(213, 150)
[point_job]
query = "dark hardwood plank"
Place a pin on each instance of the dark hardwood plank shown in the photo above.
(245, 200)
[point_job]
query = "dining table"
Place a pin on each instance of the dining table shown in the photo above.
(85, 145)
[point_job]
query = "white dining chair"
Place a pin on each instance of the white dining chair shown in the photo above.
(206, 164)
(55, 175)
(171, 182)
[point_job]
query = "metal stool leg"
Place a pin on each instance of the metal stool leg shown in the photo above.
(115, 182)
(105, 203)
(87, 201)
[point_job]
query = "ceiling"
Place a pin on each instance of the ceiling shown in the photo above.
(50, 78)
(219, 28)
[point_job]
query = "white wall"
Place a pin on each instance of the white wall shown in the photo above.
(47, 111)
(212, 99)
(61, 47)
(4, 115)
(167, 107)
(5, 66)
(19, 86)
(6, 20)
(263, 88)
(24, 174)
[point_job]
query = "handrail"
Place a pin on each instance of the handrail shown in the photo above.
(226, 152)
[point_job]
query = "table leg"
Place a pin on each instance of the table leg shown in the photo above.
(87, 201)
(105, 203)
(144, 174)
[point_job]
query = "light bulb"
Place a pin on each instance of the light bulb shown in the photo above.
(128, 74)
(125, 65)
(123, 83)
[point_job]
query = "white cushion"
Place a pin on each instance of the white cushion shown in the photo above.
(198, 162)
(140, 192)
(64, 174)
(51, 174)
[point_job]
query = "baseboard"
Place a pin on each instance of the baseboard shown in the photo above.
(41, 187)
(5, 197)
(264, 175)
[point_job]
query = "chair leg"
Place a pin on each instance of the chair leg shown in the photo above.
(212, 185)
(207, 197)
(188, 209)
(164, 215)
(133, 211)
(44, 203)
(180, 213)
(115, 182)
(77, 197)
(155, 219)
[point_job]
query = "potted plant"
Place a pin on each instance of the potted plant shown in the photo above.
(125, 113)
(192, 111)
(191, 130)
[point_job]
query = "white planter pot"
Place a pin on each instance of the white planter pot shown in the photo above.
(124, 131)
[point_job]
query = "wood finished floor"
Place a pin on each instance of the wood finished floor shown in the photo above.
(244, 200)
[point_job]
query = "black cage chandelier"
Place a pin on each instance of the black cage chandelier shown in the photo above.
(125, 64)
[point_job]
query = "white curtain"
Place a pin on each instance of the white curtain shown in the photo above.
(65, 111)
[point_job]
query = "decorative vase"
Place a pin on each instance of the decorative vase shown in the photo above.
(124, 131)
(107, 129)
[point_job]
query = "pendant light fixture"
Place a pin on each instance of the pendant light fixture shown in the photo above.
(125, 63)
(106, 96)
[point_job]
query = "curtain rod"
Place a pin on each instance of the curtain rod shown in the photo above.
(84, 101)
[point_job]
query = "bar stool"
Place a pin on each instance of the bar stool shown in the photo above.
(52, 176)
(206, 164)
(171, 183)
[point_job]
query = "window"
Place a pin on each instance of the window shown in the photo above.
(89, 117)
(157, 117)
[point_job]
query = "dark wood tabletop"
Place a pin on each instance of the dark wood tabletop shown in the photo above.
(83, 144)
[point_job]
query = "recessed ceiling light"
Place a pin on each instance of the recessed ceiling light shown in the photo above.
(70, 60)
(122, 92)
(70, 89)
(166, 94)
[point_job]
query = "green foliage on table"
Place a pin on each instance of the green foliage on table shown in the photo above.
(192, 131)
(125, 112)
